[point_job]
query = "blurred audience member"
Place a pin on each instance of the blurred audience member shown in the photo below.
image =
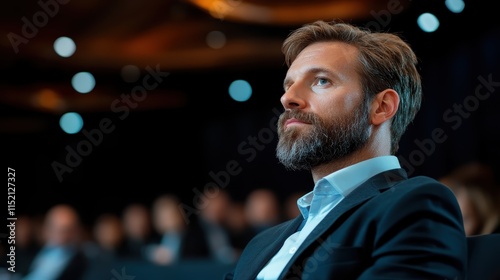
(61, 257)
(291, 209)
(104, 245)
(213, 221)
(107, 237)
(37, 222)
(26, 245)
(262, 210)
(178, 240)
(239, 229)
(478, 195)
(138, 230)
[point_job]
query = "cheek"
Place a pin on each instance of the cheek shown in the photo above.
(352, 101)
(338, 105)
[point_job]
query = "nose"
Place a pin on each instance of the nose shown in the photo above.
(292, 99)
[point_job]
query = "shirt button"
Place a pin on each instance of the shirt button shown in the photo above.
(292, 250)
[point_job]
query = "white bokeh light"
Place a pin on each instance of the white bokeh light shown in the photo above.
(428, 22)
(455, 6)
(240, 90)
(64, 46)
(71, 122)
(83, 82)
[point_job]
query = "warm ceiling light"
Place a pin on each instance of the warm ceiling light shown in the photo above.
(48, 99)
(291, 12)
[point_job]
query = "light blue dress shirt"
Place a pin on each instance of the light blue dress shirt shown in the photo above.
(50, 262)
(172, 241)
(315, 205)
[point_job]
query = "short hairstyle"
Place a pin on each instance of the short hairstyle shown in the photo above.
(386, 61)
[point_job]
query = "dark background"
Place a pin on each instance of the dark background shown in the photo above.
(174, 148)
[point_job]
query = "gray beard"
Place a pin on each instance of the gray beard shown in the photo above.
(327, 142)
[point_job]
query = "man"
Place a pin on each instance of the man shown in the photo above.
(61, 257)
(349, 96)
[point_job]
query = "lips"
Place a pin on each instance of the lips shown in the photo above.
(295, 117)
(293, 121)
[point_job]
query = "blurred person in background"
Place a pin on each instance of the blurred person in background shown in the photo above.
(107, 238)
(26, 248)
(138, 230)
(38, 222)
(291, 210)
(239, 229)
(61, 257)
(478, 194)
(26, 245)
(262, 210)
(104, 245)
(213, 221)
(178, 241)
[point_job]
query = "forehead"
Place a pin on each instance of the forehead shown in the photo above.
(337, 57)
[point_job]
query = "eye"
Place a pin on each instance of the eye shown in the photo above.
(321, 82)
(286, 85)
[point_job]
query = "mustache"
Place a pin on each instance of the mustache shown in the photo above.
(299, 115)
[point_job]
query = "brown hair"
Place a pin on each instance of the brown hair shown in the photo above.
(385, 60)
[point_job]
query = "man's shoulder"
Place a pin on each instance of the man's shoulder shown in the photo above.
(412, 197)
(420, 186)
(421, 183)
(398, 180)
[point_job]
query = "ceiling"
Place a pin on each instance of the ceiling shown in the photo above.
(166, 34)
(174, 36)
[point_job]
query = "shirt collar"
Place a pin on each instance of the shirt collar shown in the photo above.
(342, 182)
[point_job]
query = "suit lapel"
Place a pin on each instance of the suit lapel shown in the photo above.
(365, 191)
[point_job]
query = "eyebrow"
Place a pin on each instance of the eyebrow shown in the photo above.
(312, 70)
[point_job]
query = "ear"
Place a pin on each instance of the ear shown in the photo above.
(384, 106)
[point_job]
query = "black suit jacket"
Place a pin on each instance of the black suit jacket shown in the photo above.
(76, 268)
(390, 227)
